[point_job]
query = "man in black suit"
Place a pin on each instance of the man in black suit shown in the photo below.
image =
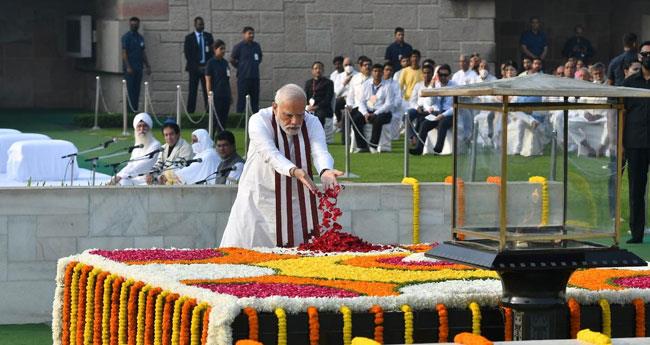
(197, 53)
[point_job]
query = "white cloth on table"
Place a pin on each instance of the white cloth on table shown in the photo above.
(40, 160)
(252, 220)
(7, 140)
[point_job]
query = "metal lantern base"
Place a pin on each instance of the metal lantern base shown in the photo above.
(534, 280)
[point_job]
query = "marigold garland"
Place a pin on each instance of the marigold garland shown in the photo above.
(494, 179)
(408, 323)
(142, 305)
(415, 185)
(443, 323)
(90, 307)
(247, 342)
(115, 311)
(122, 335)
(99, 307)
(476, 318)
(314, 326)
(168, 311)
(545, 202)
(379, 323)
(282, 326)
(81, 313)
(74, 300)
(253, 324)
(195, 325)
(364, 341)
(106, 310)
(606, 317)
(132, 312)
(639, 317)
(507, 327)
(176, 319)
(158, 317)
(594, 338)
(347, 325)
(150, 315)
(204, 329)
(186, 322)
(574, 317)
(467, 338)
(67, 299)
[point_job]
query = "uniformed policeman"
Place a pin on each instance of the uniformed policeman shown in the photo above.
(135, 61)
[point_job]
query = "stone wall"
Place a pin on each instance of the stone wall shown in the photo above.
(293, 34)
(40, 225)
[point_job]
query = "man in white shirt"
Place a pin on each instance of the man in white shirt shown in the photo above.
(355, 94)
(272, 208)
(419, 106)
(376, 104)
(143, 156)
(465, 75)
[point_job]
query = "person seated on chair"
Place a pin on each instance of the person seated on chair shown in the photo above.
(175, 151)
(441, 117)
(419, 106)
(232, 165)
(376, 105)
(205, 159)
(145, 144)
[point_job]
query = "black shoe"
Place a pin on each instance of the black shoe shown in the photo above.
(364, 150)
(416, 151)
(634, 241)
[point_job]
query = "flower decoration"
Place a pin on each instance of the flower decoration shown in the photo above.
(606, 317)
(545, 199)
(595, 338)
(314, 326)
(467, 338)
(476, 318)
(639, 317)
(443, 323)
(415, 185)
(574, 318)
(408, 324)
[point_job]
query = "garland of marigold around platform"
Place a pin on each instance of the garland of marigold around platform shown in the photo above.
(639, 317)
(606, 317)
(476, 318)
(176, 319)
(545, 202)
(467, 338)
(379, 323)
(443, 323)
(141, 315)
(416, 207)
(347, 325)
(74, 300)
(507, 327)
(90, 307)
(253, 324)
(123, 311)
(408, 324)
(314, 326)
(595, 338)
(574, 317)
(196, 333)
(282, 326)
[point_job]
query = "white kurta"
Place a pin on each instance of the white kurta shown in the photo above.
(139, 167)
(198, 171)
(252, 221)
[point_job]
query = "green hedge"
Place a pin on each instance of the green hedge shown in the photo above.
(115, 121)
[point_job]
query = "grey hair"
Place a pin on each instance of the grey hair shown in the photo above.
(289, 92)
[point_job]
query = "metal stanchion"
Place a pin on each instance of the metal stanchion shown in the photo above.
(472, 161)
(178, 105)
(146, 97)
(97, 86)
(125, 117)
(407, 124)
(210, 113)
(553, 173)
(246, 115)
(346, 123)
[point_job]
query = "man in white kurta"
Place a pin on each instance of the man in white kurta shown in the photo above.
(275, 204)
(142, 158)
(203, 149)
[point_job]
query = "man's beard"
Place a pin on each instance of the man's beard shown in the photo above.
(143, 138)
(290, 131)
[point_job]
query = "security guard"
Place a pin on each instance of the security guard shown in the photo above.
(135, 61)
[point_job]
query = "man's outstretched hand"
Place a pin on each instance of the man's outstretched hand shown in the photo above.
(328, 179)
(303, 177)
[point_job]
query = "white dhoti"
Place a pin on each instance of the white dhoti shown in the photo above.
(271, 208)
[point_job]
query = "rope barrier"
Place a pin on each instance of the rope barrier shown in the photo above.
(414, 130)
(150, 103)
(214, 114)
(102, 98)
(361, 133)
(184, 108)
